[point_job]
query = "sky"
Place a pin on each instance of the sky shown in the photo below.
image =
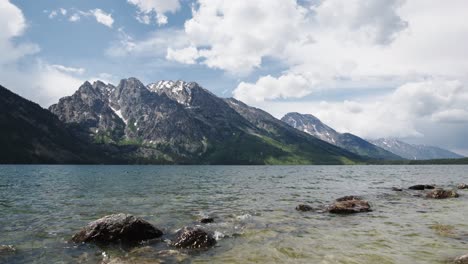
(375, 68)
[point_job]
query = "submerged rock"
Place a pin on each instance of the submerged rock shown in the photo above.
(461, 260)
(117, 227)
(421, 187)
(7, 249)
(396, 189)
(442, 194)
(304, 208)
(189, 237)
(462, 186)
(349, 206)
(207, 220)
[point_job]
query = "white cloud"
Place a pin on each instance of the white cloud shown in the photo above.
(45, 83)
(100, 16)
(13, 25)
(268, 88)
(53, 14)
(187, 55)
(75, 17)
(154, 45)
(68, 69)
(409, 111)
(154, 9)
(236, 35)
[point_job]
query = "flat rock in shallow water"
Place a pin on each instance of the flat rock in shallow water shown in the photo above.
(304, 208)
(189, 237)
(421, 187)
(462, 186)
(461, 260)
(117, 227)
(349, 207)
(396, 189)
(442, 194)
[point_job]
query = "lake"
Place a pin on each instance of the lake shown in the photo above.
(41, 207)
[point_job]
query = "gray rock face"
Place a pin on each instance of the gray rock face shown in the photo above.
(313, 126)
(414, 152)
(115, 228)
(189, 237)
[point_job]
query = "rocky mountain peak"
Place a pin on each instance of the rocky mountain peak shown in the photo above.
(311, 125)
(179, 91)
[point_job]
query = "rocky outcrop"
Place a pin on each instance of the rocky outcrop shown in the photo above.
(191, 238)
(117, 227)
(349, 205)
(441, 194)
(421, 187)
(462, 186)
(304, 208)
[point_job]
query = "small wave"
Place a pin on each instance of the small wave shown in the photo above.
(218, 235)
(244, 217)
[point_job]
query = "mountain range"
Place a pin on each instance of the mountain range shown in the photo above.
(313, 126)
(414, 152)
(182, 123)
(167, 122)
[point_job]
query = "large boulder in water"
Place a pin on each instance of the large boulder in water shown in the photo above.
(462, 186)
(421, 187)
(117, 227)
(442, 194)
(189, 237)
(349, 205)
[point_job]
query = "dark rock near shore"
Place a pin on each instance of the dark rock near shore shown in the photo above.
(350, 206)
(442, 194)
(304, 208)
(462, 186)
(421, 187)
(189, 237)
(207, 220)
(396, 189)
(117, 227)
(461, 260)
